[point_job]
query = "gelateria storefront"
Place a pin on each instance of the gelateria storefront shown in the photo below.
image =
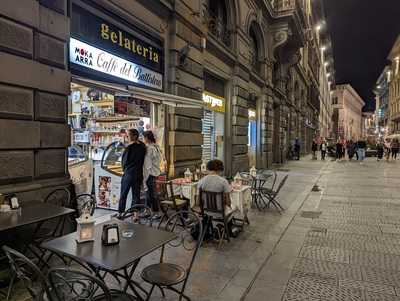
(117, 84)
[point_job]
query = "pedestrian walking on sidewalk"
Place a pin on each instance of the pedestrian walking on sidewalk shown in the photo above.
(339, 150)
(323, 149)
(394, 148)
(351, 149)
(361, 145)
(379, 150)
(387, 150)
(296, 148)
(314, 149)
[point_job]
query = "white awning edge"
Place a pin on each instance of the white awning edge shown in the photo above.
(145, 94)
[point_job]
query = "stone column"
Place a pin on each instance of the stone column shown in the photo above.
(185, 79)
(240, 124)
(34, 84)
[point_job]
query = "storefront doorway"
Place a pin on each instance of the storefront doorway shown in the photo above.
(213, 126)
(213, 129)
(252, 138)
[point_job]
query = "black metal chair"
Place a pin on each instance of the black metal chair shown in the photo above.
(257, 184)
(76, 285)
(168, 200)
(29, 274)
(273, 194)
(169, 275)
(84, 203)
(213, 203)
(53, 228)
(143, 213)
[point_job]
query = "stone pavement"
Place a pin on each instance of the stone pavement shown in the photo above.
(344, 243)
(230, 273)
(338, 242)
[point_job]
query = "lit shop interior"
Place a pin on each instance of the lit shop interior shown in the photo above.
(99, 120)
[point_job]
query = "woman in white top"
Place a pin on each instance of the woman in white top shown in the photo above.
(151, 169)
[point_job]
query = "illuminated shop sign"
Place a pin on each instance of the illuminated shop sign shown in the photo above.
(252, 115)
(93, 58)
(214, 102)
(116, 49)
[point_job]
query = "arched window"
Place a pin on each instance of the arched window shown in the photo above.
(256, 47)
(254, 50)
(218, 21)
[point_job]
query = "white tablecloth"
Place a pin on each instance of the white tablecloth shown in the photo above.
(187, 190)
(241, 199)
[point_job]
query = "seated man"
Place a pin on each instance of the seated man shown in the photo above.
(213, 182)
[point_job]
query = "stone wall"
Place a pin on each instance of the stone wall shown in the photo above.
(34, 84)
(186, 79)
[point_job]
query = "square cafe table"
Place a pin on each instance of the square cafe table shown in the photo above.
(116, 259)
(31, 213)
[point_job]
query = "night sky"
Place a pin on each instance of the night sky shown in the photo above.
(363, 33)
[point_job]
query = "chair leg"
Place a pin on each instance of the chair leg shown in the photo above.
(10, 286)
(150, 292)
(221, 237)
(162, 291)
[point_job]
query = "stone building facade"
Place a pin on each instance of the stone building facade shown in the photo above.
(348, 106)
(393, 78)
(382, 103)
(258, 56)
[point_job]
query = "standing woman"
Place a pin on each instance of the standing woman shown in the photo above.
(151, 169)
(132, 164)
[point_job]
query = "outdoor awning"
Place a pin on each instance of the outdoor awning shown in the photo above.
(141, 93)
(393, 136)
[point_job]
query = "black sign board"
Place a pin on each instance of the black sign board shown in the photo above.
(100, 33)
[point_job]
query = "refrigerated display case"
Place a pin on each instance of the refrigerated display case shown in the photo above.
(80, 169)
(108, 178)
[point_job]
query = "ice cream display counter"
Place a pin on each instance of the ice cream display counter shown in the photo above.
(80, 168)
(108, 177)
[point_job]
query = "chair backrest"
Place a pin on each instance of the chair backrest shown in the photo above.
(59, 197)
(76, 285)
(165, 190)
(141, 211)
(184, 224)
(274, 180)
(29, 274)
(212, 202)
(84, 203)
(281, 184)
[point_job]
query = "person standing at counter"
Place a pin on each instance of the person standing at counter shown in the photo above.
(151, 170)
(132, 164)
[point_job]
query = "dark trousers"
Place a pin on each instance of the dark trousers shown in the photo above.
(394, 153)
(129, 181)
(323, 154)
(151, 196)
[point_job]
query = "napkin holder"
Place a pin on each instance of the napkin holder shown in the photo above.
(110, 234)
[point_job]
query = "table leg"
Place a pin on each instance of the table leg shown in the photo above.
(133, 284)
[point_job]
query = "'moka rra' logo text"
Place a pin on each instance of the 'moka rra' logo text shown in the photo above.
(83, 56)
